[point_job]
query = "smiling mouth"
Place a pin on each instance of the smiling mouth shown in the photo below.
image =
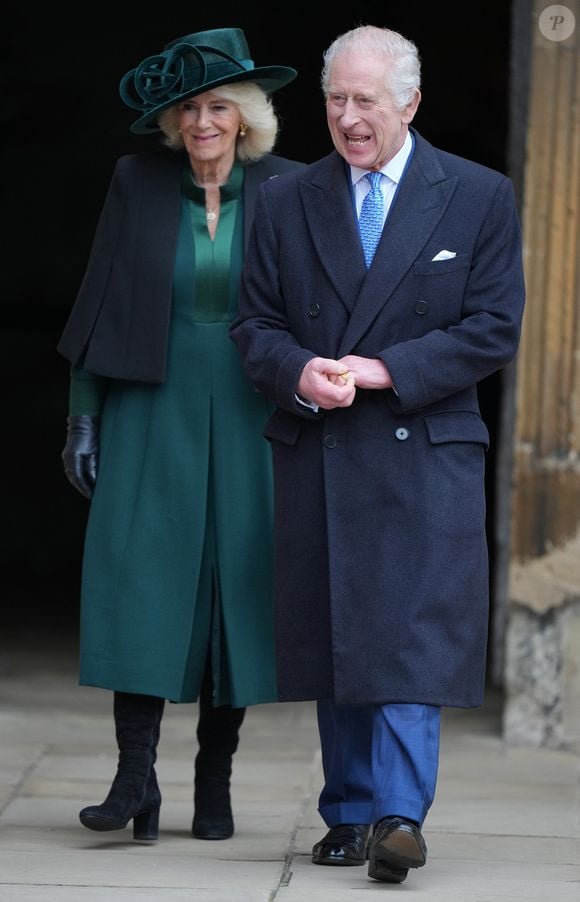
(357, 140)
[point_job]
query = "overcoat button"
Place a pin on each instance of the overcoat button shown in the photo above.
(330, 441)
(402, 434)
(314, 310)
(421, 307)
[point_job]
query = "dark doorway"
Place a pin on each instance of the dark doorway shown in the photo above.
(64, 128)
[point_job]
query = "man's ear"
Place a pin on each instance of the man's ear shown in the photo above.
(408, 113)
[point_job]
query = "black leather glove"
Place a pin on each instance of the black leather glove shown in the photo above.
(81, 452)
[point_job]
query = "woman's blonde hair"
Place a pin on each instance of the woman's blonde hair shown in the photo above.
(257, 113)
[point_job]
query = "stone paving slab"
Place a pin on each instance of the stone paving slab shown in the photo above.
(505, 826)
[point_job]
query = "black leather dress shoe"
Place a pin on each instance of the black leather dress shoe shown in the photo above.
(344, 845)
(397, 845)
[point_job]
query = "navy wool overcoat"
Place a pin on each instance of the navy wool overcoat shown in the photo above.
(381, 557)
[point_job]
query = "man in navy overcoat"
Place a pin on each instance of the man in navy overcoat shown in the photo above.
(378, 442)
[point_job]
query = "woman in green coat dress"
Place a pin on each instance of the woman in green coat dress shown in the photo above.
(165, 430)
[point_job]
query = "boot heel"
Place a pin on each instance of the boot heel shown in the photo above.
(146, 825)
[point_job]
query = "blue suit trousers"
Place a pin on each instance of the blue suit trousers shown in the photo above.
(378, 760)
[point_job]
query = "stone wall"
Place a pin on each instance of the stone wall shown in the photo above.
(542, 648)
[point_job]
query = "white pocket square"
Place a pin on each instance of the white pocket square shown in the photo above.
(444, 255)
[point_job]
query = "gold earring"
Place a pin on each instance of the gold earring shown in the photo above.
(243, 130)
(178, 131)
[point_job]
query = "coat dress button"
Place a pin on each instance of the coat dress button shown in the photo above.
(421, 307)
(330, 441)
(402, 434)
(314, 310)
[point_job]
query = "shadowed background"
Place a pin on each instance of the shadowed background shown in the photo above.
(65, 126)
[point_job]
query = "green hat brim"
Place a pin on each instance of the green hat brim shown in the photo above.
(269, 78)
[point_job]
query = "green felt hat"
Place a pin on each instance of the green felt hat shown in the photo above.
(191, 65)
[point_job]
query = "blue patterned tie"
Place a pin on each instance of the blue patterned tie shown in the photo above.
(371, 217)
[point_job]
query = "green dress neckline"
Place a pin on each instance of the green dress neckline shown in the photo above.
(229, 191)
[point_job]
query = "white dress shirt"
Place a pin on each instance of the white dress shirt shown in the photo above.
(393, 170)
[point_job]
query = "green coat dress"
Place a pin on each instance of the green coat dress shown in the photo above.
(178, 549)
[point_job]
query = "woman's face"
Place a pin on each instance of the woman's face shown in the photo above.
(209, 127)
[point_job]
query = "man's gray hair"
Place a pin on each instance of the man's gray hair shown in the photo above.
(402, 63)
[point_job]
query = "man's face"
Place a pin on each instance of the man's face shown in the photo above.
(365, 127)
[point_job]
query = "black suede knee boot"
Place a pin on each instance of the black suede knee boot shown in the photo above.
(218, 736)
(134, 792)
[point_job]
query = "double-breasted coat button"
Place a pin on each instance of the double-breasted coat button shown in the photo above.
(314, 310)
(402, 434)
(330, 441)
(421, 307)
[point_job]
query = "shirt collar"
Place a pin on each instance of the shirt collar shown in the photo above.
(393, 169)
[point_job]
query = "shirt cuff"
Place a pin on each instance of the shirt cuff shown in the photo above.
(309, 404)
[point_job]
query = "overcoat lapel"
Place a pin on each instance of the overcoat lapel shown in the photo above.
(421, 201)
(333, 229)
